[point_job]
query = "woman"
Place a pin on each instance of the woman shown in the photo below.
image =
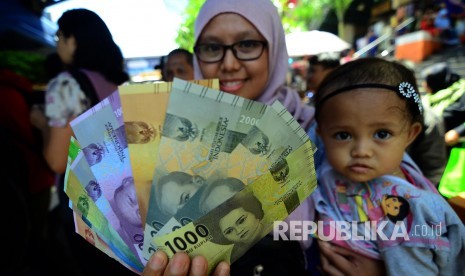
(85, 46)
(93, 66)
(242, 43)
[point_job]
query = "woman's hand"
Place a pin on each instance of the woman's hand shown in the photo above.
(37, 117)
(336, 260)
(451, 137)
(181, 265)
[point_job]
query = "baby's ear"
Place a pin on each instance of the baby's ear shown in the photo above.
(414, 131)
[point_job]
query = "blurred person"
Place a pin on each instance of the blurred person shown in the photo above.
(429, 150)
(443, 23)
(93, 69)
(26, 175)
(445, 94)
(346, 55)
(178, 64)
(319, 66)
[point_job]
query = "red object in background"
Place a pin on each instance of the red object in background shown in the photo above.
(291, 3)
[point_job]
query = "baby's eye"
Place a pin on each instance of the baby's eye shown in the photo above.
(241, 220)
(382, 134)
(342, 136)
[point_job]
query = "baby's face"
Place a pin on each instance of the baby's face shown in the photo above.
(365, 132)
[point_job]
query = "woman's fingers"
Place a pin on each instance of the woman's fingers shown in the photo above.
(178, 265)
(156, 265)
(222, 269)
(181, 265)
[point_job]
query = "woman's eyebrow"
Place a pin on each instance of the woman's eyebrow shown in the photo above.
(238, 36)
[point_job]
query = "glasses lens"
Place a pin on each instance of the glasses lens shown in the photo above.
(210, 52)
(249, 49)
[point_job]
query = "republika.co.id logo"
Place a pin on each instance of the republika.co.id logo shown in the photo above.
(344, 230)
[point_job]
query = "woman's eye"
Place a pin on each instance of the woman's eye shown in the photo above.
(248, 44)
(382, 134)
(212, 47)
(228, 231)
(342, 136)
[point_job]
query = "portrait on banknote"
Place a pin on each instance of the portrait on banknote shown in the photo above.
(237, 223)
(218, 192)
(175, 189)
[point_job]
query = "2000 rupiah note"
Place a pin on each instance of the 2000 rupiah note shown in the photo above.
(229, 230)
(144, 108)
(269, 141)
(202, 127)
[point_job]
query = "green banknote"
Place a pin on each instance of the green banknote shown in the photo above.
(269, 141)
(94, 218)
(229, 230)
(202, 127)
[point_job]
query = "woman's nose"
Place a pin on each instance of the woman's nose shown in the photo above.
(230, 62)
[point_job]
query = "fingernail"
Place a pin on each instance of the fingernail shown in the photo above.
(198, 267)
(178, 266)
(224, 269)
(157, 261)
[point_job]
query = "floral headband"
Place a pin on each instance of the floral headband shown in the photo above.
(404, 89)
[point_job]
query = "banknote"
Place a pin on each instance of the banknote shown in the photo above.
(202, 127)
(269, 141)
(81, 169)
(94, 238)
(229, 230)
(92, 216)
(101, 134)
(144, 108)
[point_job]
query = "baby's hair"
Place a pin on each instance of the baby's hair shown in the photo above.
(371, 72)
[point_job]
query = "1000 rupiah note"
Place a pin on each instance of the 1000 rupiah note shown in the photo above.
(229, 230)
(144, 108)
(202, 127)
(101, 134)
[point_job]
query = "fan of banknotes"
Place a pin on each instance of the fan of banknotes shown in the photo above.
(183, 166)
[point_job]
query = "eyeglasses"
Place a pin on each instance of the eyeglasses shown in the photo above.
(245, 50)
